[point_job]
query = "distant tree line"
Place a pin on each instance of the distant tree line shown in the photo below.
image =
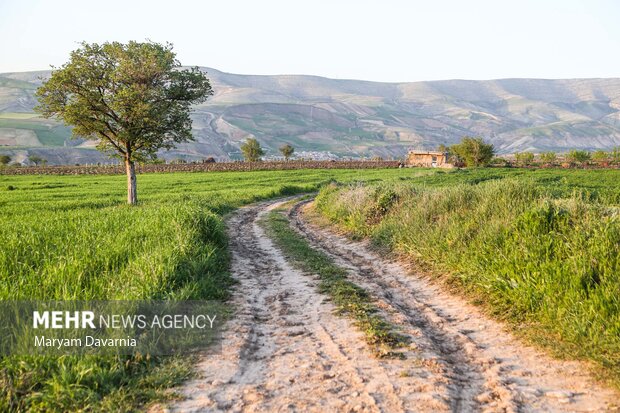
(33, 159)
(475, 152)
(252, 151)
(470, 152)
(572, 157)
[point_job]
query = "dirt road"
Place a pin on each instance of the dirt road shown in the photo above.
(285, 350)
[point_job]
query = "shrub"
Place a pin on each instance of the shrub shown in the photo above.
(287, 151)
(600, 156)
(524, 158)
(251, 150)
(577, 156)
(473, 151)
(497, 161)
(548, 157)
(37, 160)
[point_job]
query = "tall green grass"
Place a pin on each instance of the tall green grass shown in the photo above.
(114, 253)
(540, 253)
(73, 238)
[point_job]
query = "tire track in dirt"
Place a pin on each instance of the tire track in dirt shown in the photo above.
(285, 350)
(466, 380)
(488, 370)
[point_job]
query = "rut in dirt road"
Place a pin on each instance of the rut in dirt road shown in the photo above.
(286, 350)
(464, 372)
(516, 377)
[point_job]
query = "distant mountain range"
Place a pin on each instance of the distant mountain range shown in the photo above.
(349, 118)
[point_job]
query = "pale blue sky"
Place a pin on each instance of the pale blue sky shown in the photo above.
(385, 40)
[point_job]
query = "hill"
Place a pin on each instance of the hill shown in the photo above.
(350, 117)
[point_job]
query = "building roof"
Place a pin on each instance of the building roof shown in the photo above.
(414, 152)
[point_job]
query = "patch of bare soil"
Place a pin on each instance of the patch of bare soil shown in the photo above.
(286, 350)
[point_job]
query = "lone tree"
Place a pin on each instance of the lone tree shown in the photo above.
(133, 98)
(548, 157)
(473, 151)
(524, 158)
(37, 160)
(5, 159)
(287, 151)
(251, 150)
(580, 157)
(600, 156)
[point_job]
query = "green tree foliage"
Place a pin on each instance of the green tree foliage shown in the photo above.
(497, 161)
(614, 154)
(524, 158)
(446, 149)
(578, 156)
(287, 151)
(133, 98)
(37, 160)
(548, 157)
(442, 148)
(252, 150)
(600, 156)
(5, 159)
(474, 151)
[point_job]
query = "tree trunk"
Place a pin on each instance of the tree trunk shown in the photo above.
(132, 190)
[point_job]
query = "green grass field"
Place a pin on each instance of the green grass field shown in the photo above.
(538, 248)
(73, 237)
(542, 244)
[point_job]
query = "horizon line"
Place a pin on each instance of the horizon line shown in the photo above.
(359, 80)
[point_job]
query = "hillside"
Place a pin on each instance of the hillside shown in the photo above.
(350, 117)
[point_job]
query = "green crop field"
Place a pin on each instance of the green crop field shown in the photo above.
(538, 248)
(73, 237)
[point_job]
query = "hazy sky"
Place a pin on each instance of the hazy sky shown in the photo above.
(384, 40)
